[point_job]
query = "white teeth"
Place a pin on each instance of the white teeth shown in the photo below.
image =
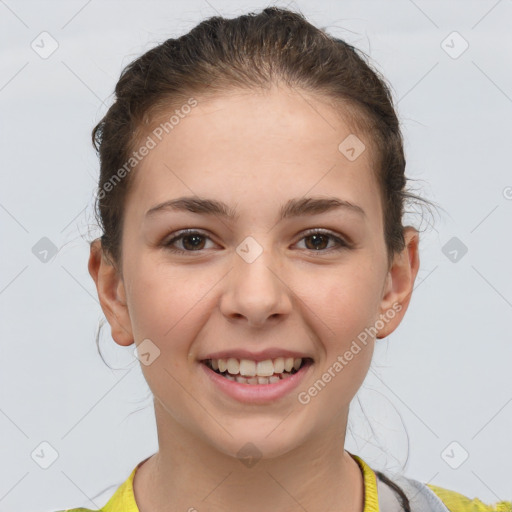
(265, 368)
(250, 369)
(279, 365)
(288, 364)
(257, 380)
(247, 368)
(233, 366)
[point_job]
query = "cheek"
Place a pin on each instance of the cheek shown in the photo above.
(163, 301)
(346, 310)
(346, 301)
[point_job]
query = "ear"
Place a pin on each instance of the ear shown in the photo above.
(111, 293)
(399, 284)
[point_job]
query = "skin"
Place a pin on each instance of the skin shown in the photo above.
(254, 151)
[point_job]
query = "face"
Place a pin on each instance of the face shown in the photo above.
(256, 285)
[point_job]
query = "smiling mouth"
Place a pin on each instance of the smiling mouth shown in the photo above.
(233, 373)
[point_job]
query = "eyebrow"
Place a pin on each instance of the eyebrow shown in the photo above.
(293, 208)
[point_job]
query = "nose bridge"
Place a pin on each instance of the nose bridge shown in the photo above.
(255, 289)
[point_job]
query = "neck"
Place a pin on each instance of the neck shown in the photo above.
(189, 474)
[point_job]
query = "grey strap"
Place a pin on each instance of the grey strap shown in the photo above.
(388, 500)
(421, 498)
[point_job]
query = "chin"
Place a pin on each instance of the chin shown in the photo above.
(251, 443)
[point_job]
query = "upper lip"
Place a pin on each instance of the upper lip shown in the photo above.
(271, 353)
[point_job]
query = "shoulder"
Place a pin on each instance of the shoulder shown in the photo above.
(119, 498)
(430, 498)
(458, 503)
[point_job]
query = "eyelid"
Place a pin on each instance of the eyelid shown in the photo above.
(182, 233)
(341, 241)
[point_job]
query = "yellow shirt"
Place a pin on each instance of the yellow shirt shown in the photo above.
(123, 500)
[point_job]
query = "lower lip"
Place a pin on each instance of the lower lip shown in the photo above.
(257, 393)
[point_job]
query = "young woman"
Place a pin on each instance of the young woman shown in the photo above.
(251, 196)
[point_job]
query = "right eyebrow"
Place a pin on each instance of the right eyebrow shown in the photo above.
(293, 208)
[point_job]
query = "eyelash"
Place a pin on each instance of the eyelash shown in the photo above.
(342, 244)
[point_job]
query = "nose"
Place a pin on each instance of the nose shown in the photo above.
(256, 293)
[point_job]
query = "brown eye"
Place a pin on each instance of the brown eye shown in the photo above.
(318, 241)
(191, 241)
(194, 241)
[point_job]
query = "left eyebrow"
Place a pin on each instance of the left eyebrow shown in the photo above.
(293, 208)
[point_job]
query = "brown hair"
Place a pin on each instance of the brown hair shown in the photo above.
(249, 52)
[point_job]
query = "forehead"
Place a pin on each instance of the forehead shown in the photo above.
(260, 146)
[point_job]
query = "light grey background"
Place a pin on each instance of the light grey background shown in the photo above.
(443, 375)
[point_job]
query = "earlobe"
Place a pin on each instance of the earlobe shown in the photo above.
(399, 284)
(111, 294)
